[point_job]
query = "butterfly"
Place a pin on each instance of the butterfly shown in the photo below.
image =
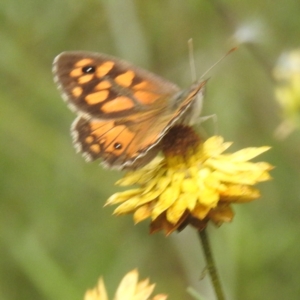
(123, 111)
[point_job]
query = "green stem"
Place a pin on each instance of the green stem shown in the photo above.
(210, 265)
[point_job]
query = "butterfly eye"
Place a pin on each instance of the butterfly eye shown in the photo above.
(118, 146)
(88, 69)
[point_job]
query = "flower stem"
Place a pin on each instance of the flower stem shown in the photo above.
(210, 265)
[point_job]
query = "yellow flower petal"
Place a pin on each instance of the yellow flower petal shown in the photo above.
(176, 210)
(122, 196)
(142, 213)
(163, 182)
(189, 186)
(247, 153)
(200, 211)
(127, 287)
(142, 176)
(98, 293)
(178, 177)
(127, 206)
(143, 290)
(208, 197)
(165, 200)
(239, 193)
(215, 146)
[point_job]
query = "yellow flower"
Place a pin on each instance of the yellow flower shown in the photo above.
(287, 91)
(191, 187)
(129, 289)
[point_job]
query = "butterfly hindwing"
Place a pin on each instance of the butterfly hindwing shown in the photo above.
(117, 144)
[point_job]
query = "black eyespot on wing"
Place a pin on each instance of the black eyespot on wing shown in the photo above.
(88, 69)
(118, 146)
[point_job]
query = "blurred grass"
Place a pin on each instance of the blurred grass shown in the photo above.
(55, 237)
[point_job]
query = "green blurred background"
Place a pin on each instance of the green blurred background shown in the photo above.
(55, 237)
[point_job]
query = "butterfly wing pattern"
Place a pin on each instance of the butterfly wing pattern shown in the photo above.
(123, 111)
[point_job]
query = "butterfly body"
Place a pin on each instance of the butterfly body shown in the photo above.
(123, 111)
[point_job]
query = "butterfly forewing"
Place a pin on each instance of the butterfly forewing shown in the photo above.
(104, 87)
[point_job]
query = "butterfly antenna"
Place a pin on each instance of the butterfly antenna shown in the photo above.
(192, 59)
(218, 61)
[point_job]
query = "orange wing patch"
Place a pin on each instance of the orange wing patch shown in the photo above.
(77, 91)
(144, 85)
(98, 128)
(95, 148)
(97, 97)
(85, 78)
(103, 69)
(117, 139)
(84, 62)
(125, 79)
(89, 139)
(76, 72)
(103, 85)
(146, 97)
(118, 104)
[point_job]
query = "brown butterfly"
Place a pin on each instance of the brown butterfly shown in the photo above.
(123, 111)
